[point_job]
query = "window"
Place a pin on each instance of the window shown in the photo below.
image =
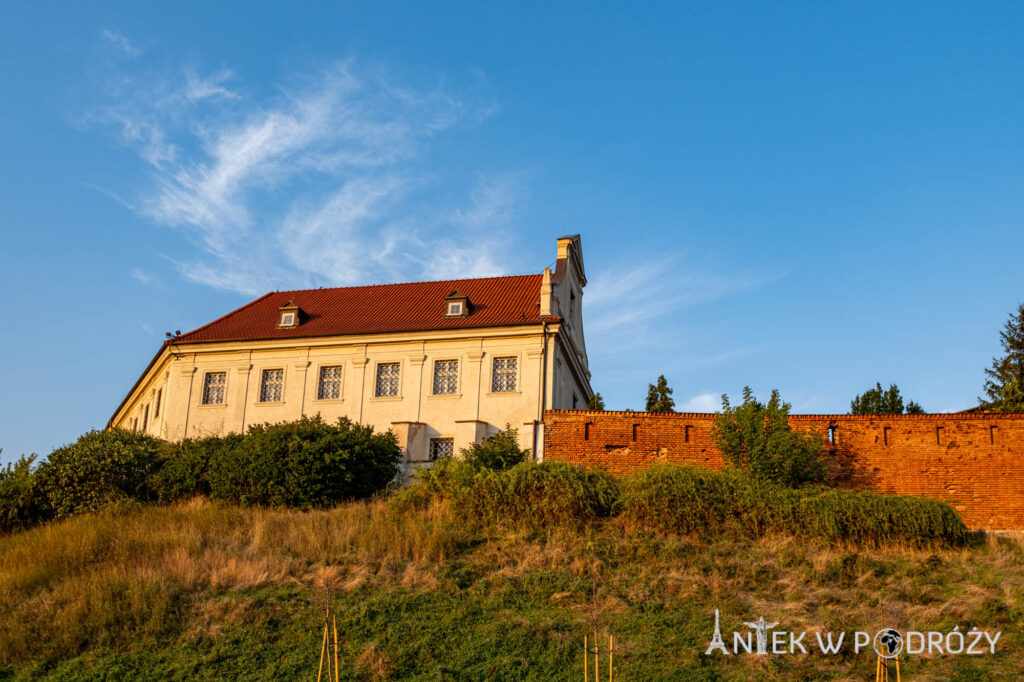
(145, 417)
(135, 424)
(271, 384)
(456, 304)
(503, 376)
(441, 447)
(572, 306)
(387, 379)
(213, 388)
(156, 404)
(290, 315)
(446, 377)
(330, 384)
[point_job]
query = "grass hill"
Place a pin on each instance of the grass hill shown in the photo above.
(206, 591)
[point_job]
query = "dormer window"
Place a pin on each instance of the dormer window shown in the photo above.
(290, 315)
(456, 304)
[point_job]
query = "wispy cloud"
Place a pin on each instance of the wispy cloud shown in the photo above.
(144, 278)
(705, 402)
(618, 299)
(118, 41)
(637, 308)
(321, 183)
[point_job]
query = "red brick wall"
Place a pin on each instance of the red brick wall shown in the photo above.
(973, 461)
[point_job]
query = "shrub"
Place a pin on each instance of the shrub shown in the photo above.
(534, 495)
(184, 472)
(306, 463)
(872, 518)
(99, 470)
(500, 451)
(757, 438)
(694, 501)
(20, 503)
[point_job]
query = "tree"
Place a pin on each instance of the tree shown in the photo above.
(876, 401)
(1004, 387)
(20, 503)
(659, 397)
(500, 451)
(99, 470)
(596, 402)
(757, 438)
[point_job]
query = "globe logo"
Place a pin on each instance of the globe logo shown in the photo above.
(888, 643)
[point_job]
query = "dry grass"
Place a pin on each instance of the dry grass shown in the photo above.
(162, 576)
(102, 579)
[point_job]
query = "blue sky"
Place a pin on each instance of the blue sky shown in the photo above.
(801, 196)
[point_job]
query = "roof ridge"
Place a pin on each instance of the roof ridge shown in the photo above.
(396, 284)
(219, 319)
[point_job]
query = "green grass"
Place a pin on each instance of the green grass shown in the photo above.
(202, 591)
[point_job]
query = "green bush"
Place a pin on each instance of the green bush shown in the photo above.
(184, 472)
(101, 469)
(306, 463)
(20, 503)
(868, 517)
(695, 501)
(757, 438)
(528, 494)
(500, 451)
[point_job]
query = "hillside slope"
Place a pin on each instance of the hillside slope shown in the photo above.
(201, 591)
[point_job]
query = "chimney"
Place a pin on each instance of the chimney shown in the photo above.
(545, 293)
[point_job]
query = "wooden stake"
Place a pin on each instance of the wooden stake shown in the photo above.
(586, 663)
(597, 659)
(337, 670)
(323, 652)
(611, 653)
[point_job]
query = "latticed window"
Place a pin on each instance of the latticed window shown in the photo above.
(213, 388)
(441, 447)
(446, 377)
(330, 384)
(387, 379)
(503, 378)
(271, 385)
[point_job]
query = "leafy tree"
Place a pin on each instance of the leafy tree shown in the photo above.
(19, 495)
(596, 402)
(876, 401)
(1004, 387)
(500, 451)
(305, 463)
(659, 397)
(99, 470)
(185, 472)
(757, 438)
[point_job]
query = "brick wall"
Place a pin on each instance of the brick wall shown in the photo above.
(973, 461)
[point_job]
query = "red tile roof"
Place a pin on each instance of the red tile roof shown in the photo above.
(414, 306)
